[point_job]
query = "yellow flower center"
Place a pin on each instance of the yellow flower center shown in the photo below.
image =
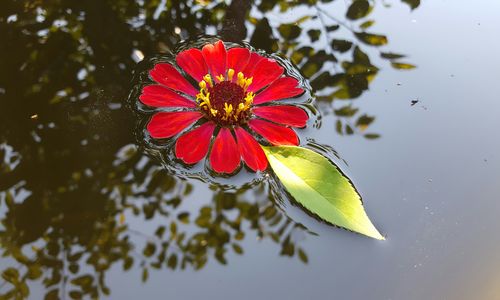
(225, 99)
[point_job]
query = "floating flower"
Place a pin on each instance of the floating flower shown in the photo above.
(234, 101)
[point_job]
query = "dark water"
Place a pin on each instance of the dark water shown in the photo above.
(87, 212)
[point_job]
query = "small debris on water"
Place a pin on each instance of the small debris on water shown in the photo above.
(413, 102)
(34, 117)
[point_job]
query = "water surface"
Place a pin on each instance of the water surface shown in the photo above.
(82, 200)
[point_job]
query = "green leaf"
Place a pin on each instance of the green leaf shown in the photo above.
(84, 280)
(183, 217)
(302, 20)
(341, 45)
(237, 249)
(372, 136)
(367, 24)
(172, 261)
(332, 27)
(75, 295)
(338, 127)
(402, 66)
(360, 57)
(371, 38)
(358, 9)
(267, 5)
(127, 263)
(320, 187)
(303, 256)
(314, 34)
(342, 93)
(346, 111)
(389, 55)
(149, 250)
(52, 295)
(11, 275)
(412, 3)
(289, 31)
(324, 80)
(364, 121)
(348, 129)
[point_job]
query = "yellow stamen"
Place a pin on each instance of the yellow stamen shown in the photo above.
(249, 98)
(248, 82)
(228, 109)
(221, 78)
(203, 98)
(241, 107)
(203, 85)
(208, 79)
(230, 74)
(214, 112)
(243, 81)
(241, 78)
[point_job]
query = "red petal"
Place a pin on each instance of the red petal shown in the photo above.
(167, 75)
(224, 156)
(193, 146)
(193, 63)
(250, 150)
(285, 87)
(215, 57)
(167, 124)
(237, 59)
(283, 114)
(252, 62)
(266, 71)
(275, 134)
(159, 96)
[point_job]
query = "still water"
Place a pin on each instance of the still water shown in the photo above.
(87, 211)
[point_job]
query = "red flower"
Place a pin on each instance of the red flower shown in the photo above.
(233, 86)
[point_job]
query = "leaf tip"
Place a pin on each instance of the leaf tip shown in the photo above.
(376, 234)
(379, 237)
(373, 232)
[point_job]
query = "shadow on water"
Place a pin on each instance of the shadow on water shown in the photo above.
(73, 178)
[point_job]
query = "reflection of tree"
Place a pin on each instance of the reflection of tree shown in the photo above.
(330, 52)
(69, 175)
(78, 240)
